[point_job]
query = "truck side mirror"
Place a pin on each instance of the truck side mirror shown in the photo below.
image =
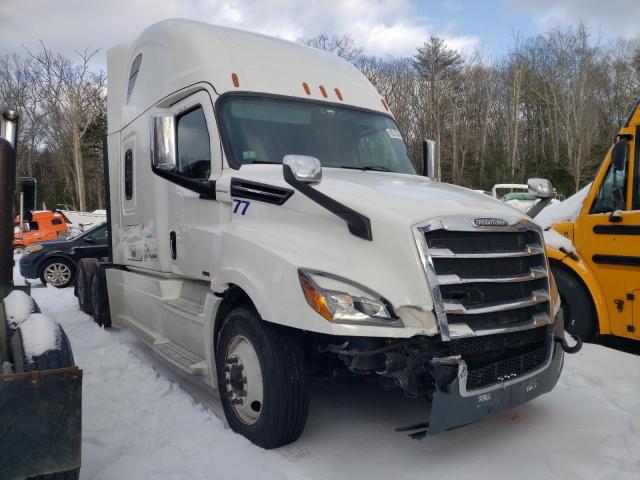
(163, 141)
(306, 169)
(619, 155)
(430, 160)
(540, 187)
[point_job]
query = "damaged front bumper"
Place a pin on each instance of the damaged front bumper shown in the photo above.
(453, 405)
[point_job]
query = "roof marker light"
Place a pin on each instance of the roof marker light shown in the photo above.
(306, 88)
(338, 93)
(323, 91)
(385, 104)
(234, 79)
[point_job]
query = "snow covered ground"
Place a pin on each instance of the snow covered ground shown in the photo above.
(143, 421)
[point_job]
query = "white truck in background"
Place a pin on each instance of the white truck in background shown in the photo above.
(267, 224)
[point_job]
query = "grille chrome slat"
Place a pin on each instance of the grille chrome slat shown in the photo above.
(453, 279)
(530, 250)
(537, 297)
(485, 280)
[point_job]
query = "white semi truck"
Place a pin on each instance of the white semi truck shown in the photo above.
(267, 224)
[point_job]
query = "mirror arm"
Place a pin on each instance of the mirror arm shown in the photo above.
(206, 188)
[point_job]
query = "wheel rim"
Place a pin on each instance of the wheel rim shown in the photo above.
(57, 274)
(243, 379)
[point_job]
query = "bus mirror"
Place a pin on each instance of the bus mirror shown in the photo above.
(619, 155)
(163, 141)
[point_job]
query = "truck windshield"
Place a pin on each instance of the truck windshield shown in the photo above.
(264, 130)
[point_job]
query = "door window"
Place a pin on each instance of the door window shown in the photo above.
(605, 201)
(194, 155)
(636, 180)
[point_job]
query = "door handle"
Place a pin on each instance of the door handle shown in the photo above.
(172, 244)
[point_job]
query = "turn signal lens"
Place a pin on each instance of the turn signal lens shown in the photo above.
(315, 299)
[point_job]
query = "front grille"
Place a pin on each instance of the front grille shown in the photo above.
(507, 368)
(470, 346)
(491, 278)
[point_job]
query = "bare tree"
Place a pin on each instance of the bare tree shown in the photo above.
(74, 97)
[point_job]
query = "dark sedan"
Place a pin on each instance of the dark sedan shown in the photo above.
(54, 262)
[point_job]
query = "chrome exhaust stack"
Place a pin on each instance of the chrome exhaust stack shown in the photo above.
(8, 139)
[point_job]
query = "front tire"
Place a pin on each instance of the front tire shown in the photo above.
(57, 272)
(579, 314)
(261, 379)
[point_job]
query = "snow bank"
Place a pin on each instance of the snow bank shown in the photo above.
(563, 211)
(18, 306)
(39, 335)
(555, 240)
(139, 423)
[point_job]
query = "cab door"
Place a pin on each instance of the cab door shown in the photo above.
(609, 235)
(193, 219)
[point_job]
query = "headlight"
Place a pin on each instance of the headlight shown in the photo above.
(342, 301)
(32, 248)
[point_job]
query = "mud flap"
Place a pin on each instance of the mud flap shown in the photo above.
(40, 422)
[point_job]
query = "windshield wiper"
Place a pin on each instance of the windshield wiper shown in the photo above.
(375, 168)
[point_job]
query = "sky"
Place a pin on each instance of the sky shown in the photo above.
(380, 27)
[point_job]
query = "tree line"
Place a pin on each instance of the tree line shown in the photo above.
(548, 107)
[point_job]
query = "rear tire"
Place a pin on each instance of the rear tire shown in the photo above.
(84, 278)
(59, 358)
(579, 314)
(57, 272)
(100, 300)
(277, 413)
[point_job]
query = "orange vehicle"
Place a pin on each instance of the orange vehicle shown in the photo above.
(599, 283)
(38, 226)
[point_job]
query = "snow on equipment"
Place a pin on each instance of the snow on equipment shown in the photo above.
(40, 387)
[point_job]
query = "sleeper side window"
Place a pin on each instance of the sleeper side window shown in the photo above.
(194, 155)
(128, 175)
(135, 68)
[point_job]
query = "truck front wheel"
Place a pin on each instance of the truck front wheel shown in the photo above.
(579, 315)
(261, 379)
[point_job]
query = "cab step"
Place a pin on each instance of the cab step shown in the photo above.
(184, 359)
(184, 305)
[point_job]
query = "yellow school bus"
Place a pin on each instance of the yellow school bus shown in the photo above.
(600, 282)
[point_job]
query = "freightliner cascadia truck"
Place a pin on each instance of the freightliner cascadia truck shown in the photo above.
(268, 226)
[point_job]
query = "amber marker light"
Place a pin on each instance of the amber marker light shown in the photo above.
(234, 79)
(338, 93)
(385, 104)
(314, 298)
(306, 88)
(323, 91)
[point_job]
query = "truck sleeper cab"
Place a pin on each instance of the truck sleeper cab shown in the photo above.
(600, 281)
(267, 222)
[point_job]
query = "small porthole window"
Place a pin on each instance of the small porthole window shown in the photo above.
(56, 221)
(135, 68)
(128, 175)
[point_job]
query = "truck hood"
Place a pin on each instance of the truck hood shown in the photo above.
(374, 194)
